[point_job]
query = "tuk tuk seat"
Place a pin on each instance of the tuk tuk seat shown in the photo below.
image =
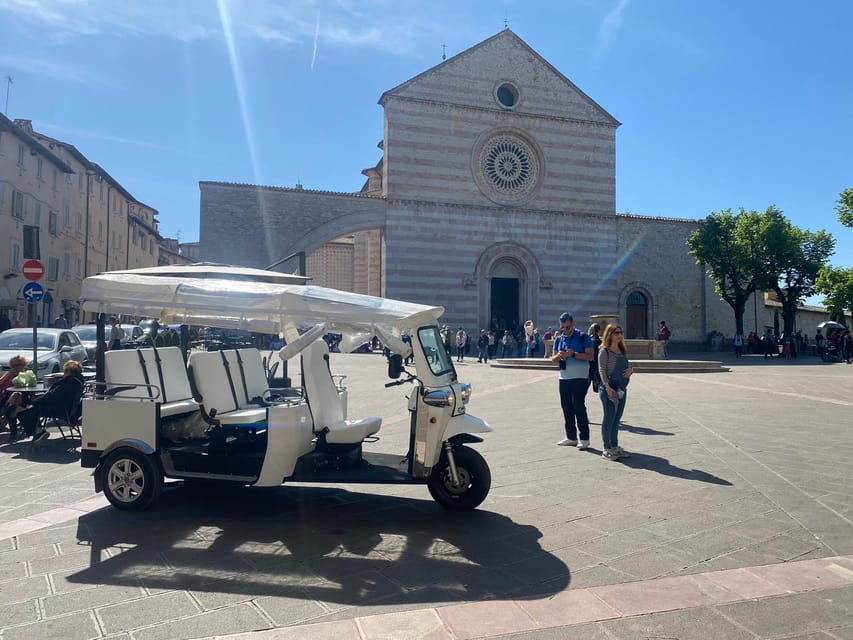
(142, 369)
(227, 381)
(326, 402)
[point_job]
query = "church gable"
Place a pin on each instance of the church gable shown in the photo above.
(502, 74)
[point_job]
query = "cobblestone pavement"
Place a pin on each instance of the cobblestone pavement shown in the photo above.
(729, 471)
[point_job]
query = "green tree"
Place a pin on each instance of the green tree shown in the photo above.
(728, 246)
(845, 207)
(791, 259)
(836, 284)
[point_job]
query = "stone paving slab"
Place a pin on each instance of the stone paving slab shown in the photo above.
(731, 471)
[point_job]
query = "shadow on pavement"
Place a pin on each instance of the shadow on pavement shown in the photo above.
(323, 544)
(663, 466)
(56, 450)
(644, 431)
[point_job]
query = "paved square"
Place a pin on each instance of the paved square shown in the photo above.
(729, 470)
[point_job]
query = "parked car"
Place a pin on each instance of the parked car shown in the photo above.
(55, 348)
(88, 336)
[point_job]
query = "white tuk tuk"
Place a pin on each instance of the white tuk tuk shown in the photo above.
(159, 413)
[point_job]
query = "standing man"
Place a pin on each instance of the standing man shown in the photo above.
(664, 334)
(60, 322)
(483, 347)
(573, 351)
(116, 334)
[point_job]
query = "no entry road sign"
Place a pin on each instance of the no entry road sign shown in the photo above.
(33, 270)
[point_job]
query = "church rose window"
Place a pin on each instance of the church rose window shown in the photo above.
(508, 167)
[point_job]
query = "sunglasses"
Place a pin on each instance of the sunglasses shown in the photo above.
(618, 331)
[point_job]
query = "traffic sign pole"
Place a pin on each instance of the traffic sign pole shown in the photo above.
(33, 293)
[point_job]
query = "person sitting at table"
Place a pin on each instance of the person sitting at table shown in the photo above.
(60, 401)
(17, 365)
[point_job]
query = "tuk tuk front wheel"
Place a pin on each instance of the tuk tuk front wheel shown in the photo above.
(475, 480)
(131, 479)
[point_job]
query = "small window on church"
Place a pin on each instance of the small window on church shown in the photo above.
(507, 95)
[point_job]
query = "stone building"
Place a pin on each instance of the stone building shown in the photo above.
(58, 206)
(495, 198)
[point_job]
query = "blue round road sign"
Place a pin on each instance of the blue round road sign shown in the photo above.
(33, 292)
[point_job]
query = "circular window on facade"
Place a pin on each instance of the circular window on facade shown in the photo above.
(507, 95)
(507, 168)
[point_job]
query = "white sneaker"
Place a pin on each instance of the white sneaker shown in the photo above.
(565, 442)
(583, 444)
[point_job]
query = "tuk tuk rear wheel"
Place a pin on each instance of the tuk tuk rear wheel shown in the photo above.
(131, 479)
(475, 480)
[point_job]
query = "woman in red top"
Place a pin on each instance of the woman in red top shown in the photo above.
(17, 364)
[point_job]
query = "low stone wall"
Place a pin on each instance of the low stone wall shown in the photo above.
(651, 349)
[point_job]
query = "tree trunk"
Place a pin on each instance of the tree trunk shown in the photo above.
(789, 316)
(739, 321)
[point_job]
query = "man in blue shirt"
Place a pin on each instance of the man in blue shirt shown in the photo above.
(573, 351)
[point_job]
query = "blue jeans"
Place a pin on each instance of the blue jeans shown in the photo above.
(612, 416)
(573, 403)
(483, 355)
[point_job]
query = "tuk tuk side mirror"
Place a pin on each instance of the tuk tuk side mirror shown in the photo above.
(395, 366)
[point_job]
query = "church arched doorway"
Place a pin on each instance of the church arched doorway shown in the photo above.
(505, 295)
(637, 316)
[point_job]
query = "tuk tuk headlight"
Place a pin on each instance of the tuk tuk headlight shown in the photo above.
(465, 392)
(442, 397)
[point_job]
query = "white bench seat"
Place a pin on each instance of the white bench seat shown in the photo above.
(158, 375)
(228, 381)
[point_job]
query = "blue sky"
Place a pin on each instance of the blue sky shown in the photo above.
(723, 104)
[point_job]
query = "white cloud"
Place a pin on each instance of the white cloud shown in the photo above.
(609, 27)
(374, 24)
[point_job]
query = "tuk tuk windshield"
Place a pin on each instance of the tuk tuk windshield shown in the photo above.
(433, 346)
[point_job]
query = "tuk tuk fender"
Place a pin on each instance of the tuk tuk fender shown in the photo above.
(464, 424)
(130, 443)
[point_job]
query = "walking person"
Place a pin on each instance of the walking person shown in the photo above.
(549, 342)
(483, 347)
(461, 340)
(507, 343)
(594, 331)
(664, 334)
(738, 344)
(615, 372)
(573, 351)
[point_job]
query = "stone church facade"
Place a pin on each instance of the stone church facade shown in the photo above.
(495, 198)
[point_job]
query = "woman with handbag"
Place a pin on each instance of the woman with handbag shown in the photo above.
(615, 372)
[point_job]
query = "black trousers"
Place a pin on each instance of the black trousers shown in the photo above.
(573, 402)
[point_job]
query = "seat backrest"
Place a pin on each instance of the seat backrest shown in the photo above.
(247, 370)
(211, 371)
(211, 378)
(320, 389)
(164, 368)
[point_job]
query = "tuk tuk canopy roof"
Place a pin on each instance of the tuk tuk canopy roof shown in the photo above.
(261, 307)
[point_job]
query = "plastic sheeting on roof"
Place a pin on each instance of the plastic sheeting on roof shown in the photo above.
(255, 306)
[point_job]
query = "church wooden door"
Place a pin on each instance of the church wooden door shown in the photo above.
(636, 317)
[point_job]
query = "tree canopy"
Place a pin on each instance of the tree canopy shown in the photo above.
(753, 251)
(845, 207)
(727, 244)
(836, 284)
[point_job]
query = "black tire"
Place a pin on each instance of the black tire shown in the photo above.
(475, 480)
(131, 479)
